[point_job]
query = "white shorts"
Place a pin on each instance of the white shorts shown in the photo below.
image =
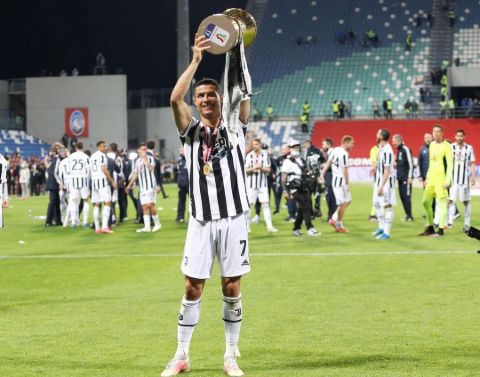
(342, 195)
(260, 193)
(388, 198)
(225, 238)
(83, 193)
(459, 192)
(148, 197)
(102, 195)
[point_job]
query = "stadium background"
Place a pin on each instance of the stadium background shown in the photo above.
(377, 314)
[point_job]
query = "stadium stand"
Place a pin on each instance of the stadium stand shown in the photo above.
(298, 55)
(467, 33)
(275, 133)
(12, 141)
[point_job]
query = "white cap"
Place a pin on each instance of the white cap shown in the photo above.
(293, 143)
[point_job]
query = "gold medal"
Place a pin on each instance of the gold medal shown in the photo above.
(206, 169)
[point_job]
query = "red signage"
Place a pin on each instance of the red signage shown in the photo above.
(76, 121)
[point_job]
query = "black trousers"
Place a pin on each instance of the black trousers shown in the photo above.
(304, 209)
(405, 191)
(278, 198)
(182, 198)
(122, 204)
(331, 201)
(53, 211)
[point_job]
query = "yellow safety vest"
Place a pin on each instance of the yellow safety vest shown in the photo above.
(389, 105)
(335, 107)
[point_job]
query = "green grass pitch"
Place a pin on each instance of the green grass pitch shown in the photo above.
(337, 305)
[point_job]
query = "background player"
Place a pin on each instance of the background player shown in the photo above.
(218, 223)
(257, 166)
(338, 160)
(3, 188)
(144, 171)
(101, 192)
(79, 184)
(463, 161)
(439, 178)
(384, 189)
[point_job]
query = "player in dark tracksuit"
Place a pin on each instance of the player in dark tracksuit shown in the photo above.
(404, 163)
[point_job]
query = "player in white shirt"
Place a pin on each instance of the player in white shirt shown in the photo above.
(338, 160)
(62, 175)
(144, 171)
(101, 191)
(257, 166)
(384, 189)
(3, 188)
(79, 185)
(463, 164)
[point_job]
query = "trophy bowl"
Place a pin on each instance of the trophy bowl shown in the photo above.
(225, 30)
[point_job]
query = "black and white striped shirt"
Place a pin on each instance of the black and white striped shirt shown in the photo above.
(3, 178)
(385, 160)
(146, 177)
(463, 156)
(99, 179)
(258, 179)
(339, 158)
(221, 193)
(62, 173)
(78, 170)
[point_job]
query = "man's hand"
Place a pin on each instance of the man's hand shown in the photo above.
(200, 45)
(157, 189)
(380, 191)
(372, 171)
(446, 185)
(5, 203)
(409, 181)
(286, 195)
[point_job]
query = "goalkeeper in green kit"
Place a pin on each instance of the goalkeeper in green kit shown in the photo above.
(439, 178)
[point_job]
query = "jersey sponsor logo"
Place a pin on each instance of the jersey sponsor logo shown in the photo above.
(76, 122)
(217, 35)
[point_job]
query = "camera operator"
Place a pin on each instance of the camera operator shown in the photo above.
(315, 158)
(297, 184)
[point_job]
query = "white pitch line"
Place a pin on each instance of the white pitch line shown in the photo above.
(327, 254)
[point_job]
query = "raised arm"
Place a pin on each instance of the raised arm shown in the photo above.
(181, 111)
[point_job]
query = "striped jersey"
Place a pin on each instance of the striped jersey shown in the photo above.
(98, 178)
(218, 191)
(339, 158)
(385, 160)
(258, 179)
(62, 173)
(146, 175)
(79, 170)
(3, 178)
(463, 156)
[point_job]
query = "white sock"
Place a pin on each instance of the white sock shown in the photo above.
(187, 320)
(156, 219)
(232, 318)
(335, 216)
(380, 216)
(468, 213)
(267, 215)
(86, 209)
(105, 216)
(388, 220)
(96, 217)
(451, 213)
(436, 220)
(146, 221)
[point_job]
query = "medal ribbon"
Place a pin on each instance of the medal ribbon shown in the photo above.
(209, 141)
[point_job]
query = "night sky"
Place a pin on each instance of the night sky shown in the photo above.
(137, 36)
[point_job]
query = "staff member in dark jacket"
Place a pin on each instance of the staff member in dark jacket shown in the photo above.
(277, 185)
(182, 182)
(327, 146)
(157, 168)
(404, 164)
(54, 216)
(424, 161)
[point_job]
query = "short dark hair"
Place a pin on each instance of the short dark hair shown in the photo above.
(438, 126)
(460, 131)
(384, 134)
(347, 139)
(328, 141)
(150, 144)
(100, 143)
(209, 81)
(142, 145)
(79, 145)
(114, 147)
(257, 140)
